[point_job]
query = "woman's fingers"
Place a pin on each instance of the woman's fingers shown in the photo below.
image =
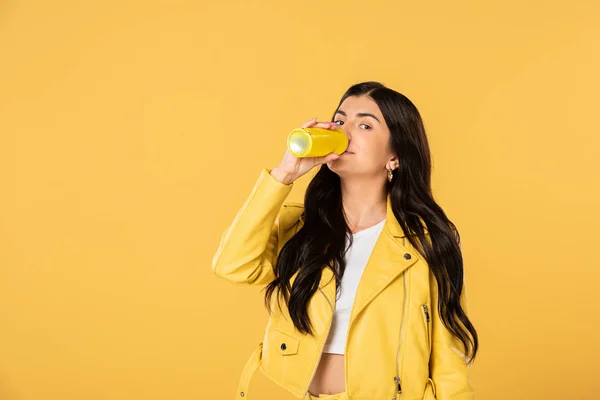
(309, 123)
(327, 158)
(327, 125)
(314, 124)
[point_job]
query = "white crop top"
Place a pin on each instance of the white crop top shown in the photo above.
(356, 259)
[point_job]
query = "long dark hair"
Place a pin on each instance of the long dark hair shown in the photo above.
(321, 242)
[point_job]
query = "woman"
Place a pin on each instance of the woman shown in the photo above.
(364, 280)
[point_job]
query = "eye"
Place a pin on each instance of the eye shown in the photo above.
(368, 127)
(339, 120)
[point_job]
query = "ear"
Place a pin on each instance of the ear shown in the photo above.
(392, 163)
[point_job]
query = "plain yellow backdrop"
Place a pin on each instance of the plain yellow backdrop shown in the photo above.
(132, 131)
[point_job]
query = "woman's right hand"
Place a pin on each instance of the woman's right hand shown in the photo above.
(292, 167)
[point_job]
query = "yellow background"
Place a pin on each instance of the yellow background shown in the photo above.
(131, 132)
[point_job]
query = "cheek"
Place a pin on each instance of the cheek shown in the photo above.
(374, 152)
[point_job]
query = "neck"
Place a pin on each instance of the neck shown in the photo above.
(364, 201)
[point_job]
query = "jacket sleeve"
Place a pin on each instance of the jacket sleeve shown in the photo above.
(248, 248)
(447, 366)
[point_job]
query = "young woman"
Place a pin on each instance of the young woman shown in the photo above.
(364, 280)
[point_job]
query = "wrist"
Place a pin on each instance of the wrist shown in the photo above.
(282, 176)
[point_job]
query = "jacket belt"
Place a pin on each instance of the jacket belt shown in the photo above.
(249, 369)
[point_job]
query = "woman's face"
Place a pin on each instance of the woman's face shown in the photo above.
(369, 151)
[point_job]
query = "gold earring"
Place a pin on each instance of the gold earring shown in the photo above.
(390, 176)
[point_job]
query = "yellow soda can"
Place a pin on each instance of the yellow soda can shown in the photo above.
(316, 142)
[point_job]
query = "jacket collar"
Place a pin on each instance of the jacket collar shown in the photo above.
(392, 224)
(390, 257)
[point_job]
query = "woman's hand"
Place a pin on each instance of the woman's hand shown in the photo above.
(292, 167)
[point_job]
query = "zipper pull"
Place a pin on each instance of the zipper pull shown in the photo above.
(426, 311)
(397, 380)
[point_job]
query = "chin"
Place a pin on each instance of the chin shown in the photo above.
(335, 167)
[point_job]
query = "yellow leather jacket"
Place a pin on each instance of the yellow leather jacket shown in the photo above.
(396, 348)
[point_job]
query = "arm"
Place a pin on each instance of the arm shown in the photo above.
(248, 248)
(447, 365)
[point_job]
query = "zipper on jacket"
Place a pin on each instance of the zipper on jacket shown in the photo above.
(427, 319)
(398, 372)
(322, 345)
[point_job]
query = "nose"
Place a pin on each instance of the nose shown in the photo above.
(348, 134)
(346, 131)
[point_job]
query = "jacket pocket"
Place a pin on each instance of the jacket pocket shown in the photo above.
(427, 323)
(286, 344)
(281, 361)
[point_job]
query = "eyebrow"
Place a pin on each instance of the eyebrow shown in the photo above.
(359, 115)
